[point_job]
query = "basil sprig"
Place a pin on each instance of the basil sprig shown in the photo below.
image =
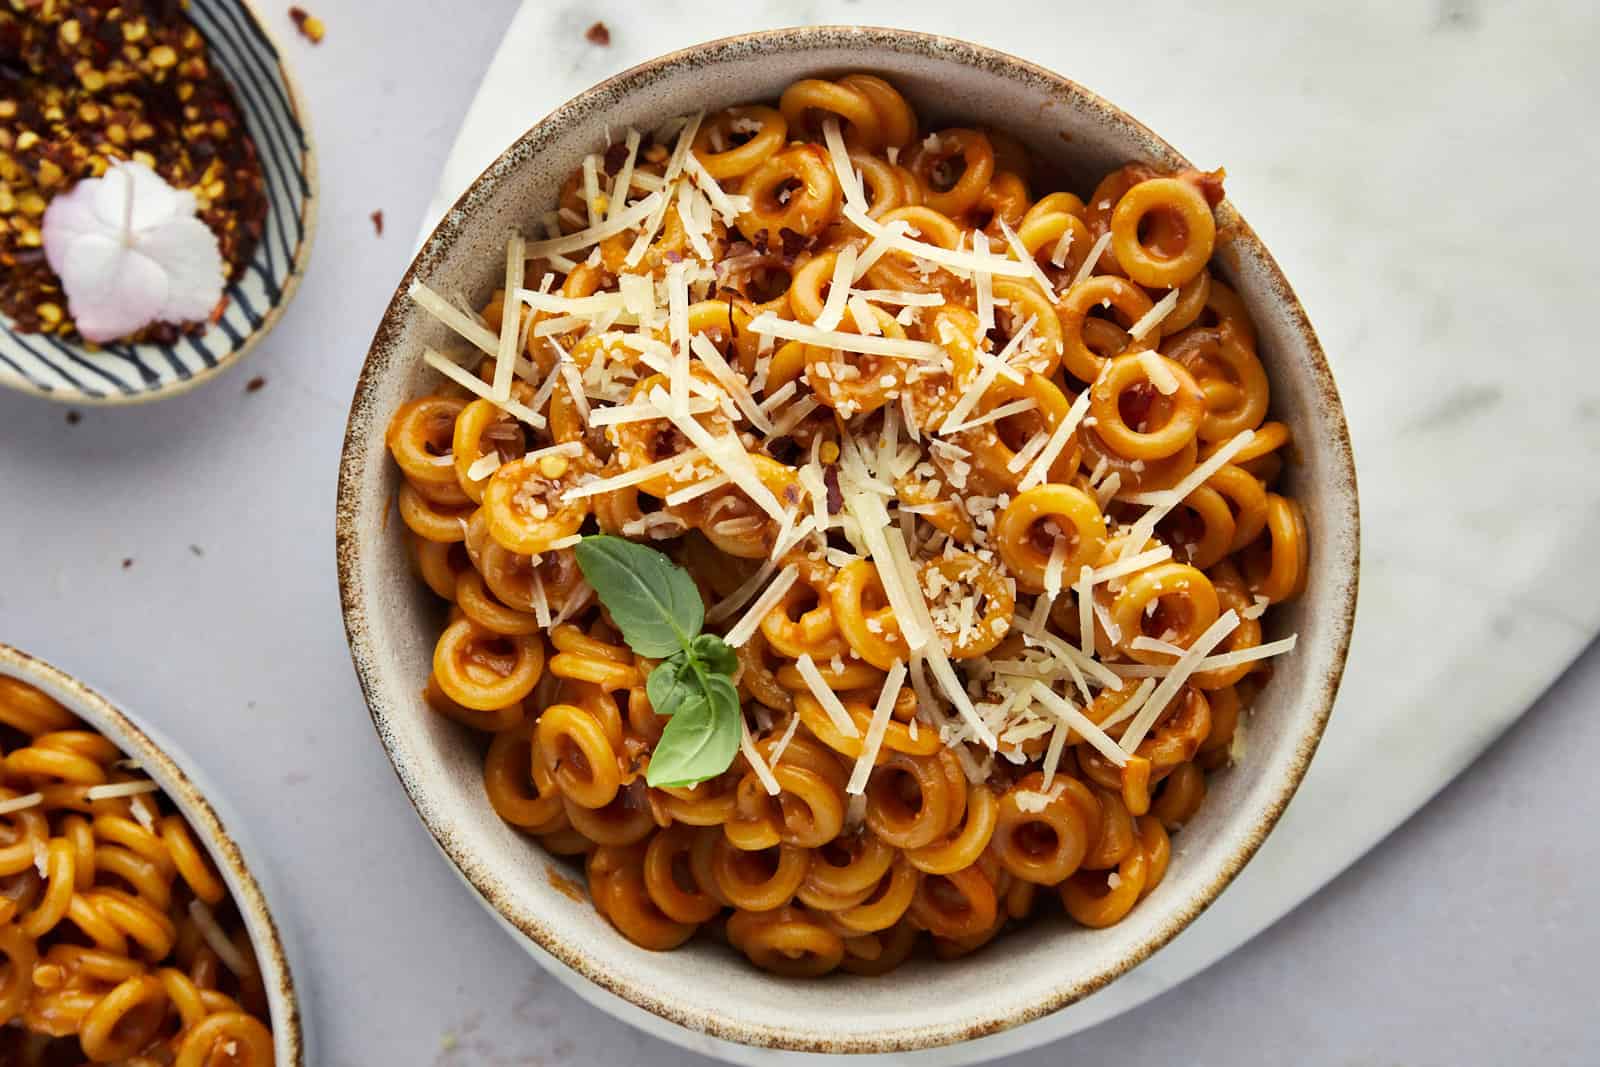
(657, 607)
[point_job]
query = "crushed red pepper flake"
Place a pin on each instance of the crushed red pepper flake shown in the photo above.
(598, 34)
(254, 384)
(127, 562)
(73, 418)
(310, 27)
(377, 222)
(88, 83)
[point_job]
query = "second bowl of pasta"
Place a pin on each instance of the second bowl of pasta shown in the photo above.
(858, 492)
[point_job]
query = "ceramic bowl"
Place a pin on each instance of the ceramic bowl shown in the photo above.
(248, 59)
(392, 620)
(218, 829)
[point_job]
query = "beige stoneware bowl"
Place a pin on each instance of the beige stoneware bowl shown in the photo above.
(201, 804)
(392, 619)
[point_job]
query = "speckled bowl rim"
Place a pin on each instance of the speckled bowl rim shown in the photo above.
(132, 738)
(291, 283)
(1340, 496)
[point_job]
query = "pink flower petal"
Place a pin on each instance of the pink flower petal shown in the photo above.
(187, 251)
(113, 290)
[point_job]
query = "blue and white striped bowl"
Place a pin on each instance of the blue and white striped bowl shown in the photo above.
(247, 57)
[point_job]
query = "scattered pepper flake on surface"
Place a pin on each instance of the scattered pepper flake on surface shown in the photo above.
(598, 34)
(73, 418)
(377, 222)
(310, 27)
(254, 384)
(127, 562)
(196, 550)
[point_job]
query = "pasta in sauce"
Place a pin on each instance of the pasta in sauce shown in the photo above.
(118, 940)
(979, 484)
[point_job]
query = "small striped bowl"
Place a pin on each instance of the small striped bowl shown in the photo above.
(249, 60)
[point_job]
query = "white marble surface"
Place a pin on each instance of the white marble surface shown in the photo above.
(1404, 161)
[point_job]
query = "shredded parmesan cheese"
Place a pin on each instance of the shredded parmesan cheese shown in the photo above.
(745, 628)
(876, 729)
(826, 698)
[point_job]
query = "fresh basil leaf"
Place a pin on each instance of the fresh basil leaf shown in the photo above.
(671, 683)
(652, 600)
(701, 738)
(715, 654)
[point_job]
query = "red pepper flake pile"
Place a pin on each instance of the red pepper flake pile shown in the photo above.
(377, 222)
(85, 83)
(598, 34)
(310, 27)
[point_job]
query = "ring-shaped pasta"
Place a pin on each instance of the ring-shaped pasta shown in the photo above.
(508, 780)
(1091, 899)
(428, 520)
(863, 615)
(1157, 848)
(249, 1041)
(1196, 231)
(961, 847)
(787, 943)
(476, 603)
(794, 190)
(758, 880)
(887, 902)
(526, 506)
(1164, 423)
(954, 167)
(1173, 602)
(1019, 302)
(440, 565)
(1129, 302)
(854, 383)
(1275, 565)
(576, 753)
(741, 149)
(861, 126)
(994, 446)
(125, 1021)
(619, 823)
(801, 624)
(972, 603)
(1001, 205)
(30, 711)
(1200, 529)
(1182, 793)
(897, 123)
(483, 670)
(669, 880)
(957, 905)
(849, 865)
(492, 721)
(1045, 845)
(1137, 475)
(480, 422)
(419, 438)
(911, 801)
(617, 884)
(1026, 540)
(1217, 356)
(1046, 236)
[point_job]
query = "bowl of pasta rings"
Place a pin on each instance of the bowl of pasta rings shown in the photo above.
(872, 517)
(131, 930)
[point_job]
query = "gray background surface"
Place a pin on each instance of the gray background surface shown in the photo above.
(1467, 937)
